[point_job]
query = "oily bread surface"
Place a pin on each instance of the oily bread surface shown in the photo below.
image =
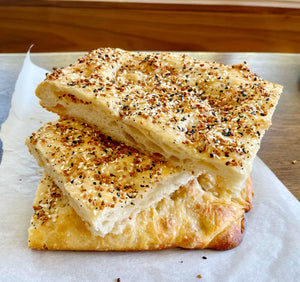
(206, 116)
(105, 181)
(189, 218)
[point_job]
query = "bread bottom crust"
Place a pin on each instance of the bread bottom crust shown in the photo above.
(190, 218)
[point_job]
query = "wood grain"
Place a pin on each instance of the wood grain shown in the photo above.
(281, 145)
(280, 149)
(85, 25)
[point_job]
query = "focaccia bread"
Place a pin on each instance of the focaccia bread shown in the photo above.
(207, 117)
(105, 181)
(190, 218)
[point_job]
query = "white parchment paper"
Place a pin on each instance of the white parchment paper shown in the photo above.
(270, 250)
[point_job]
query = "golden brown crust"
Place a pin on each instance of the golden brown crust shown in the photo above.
(189, 218)
(247, 195)
(229, 238)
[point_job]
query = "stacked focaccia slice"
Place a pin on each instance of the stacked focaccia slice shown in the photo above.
(205, 116)
(189, 218)
(105, 181)
(197, 127)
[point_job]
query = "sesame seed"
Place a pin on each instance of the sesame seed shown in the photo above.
(224, 103)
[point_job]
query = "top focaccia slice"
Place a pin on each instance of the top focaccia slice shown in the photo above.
(205, 116)
(107, 183)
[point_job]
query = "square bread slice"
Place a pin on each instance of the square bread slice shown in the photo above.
(106, 181)
(189, 218)
(207, 117)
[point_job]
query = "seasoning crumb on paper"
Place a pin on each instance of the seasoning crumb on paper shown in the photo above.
(118, 279)
(204, 257)
(199, 276)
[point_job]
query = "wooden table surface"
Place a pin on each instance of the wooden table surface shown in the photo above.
(280, 149)
(175, 25)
